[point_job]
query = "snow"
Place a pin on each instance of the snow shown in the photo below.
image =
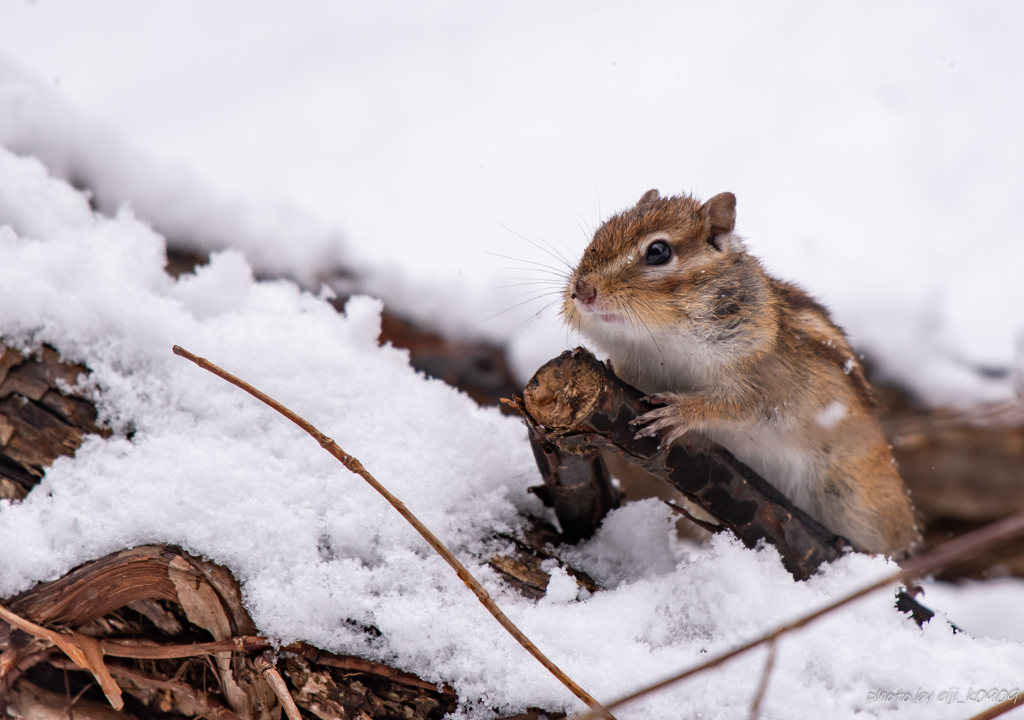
(984, 609)
(276, 238)
(873, 147)
(211, 469)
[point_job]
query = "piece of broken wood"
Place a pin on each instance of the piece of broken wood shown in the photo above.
(39, 421)
(577, 405)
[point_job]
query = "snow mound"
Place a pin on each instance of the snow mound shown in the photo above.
(320, 555)
(277, 240)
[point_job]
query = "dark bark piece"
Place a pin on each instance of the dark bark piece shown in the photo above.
(576, 404)
(38, 423)
(523, 568)
(183, 262)
(531, 582)
(331, 694)
(33, 377)
(962, 466)
(100, 587)
(165, 621)
(964, 469)
(9, 358)
(38, 437)
(577, 487)
(74, 411)
(477, 368)
(1004, 561)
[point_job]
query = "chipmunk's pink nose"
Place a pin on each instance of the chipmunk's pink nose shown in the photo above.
(585, 293)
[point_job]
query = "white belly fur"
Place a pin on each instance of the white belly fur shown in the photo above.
(771, 450)
(772, 454)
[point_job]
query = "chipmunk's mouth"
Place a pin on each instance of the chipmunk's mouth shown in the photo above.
(588, 309)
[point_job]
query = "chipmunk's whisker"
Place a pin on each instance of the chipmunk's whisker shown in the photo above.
(525, 324)
(568, 263)
(521, 284)
(588, 232)
(522, 237)
(519, 304)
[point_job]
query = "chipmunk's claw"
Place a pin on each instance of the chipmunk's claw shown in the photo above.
(666, 418)
(657, 399)
(664, 398)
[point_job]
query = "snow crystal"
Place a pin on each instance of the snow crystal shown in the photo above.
(831, 415)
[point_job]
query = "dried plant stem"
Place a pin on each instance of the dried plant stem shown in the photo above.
(356, 467)
(710, 527)
(755, 707)
(84, 651)
(164, 652)
(966, 546)
(265, 665)
(999, 709)
(256, 643)
(64, 642)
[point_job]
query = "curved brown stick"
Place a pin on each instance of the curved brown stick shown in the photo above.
(356, 467)
(1010, 703)
(956, 550)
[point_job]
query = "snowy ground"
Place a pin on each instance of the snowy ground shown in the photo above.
(875, 152)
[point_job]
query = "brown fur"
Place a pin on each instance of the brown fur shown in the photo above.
(743, 358)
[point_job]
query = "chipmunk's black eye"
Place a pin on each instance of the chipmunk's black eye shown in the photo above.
(658, 253)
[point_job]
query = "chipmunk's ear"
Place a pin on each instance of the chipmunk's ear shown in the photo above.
(648, 197)
(721, 213)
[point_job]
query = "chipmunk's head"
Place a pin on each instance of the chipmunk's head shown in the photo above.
(667, 264)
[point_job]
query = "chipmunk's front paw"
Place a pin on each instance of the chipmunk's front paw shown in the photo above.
(671, 418)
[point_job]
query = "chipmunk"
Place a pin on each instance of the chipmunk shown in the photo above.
(752, 363)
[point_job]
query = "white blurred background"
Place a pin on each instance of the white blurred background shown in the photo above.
(875, 147)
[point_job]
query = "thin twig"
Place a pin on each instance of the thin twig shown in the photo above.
(755, 707)
(94, 652)
(64, 642)
(348, 662)
(166, 652)
(356, 467)
(966, 546)
(710, 527)
(265, 665)
(81, 649)
(256, 643)
(67, 693)
(999, 709)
